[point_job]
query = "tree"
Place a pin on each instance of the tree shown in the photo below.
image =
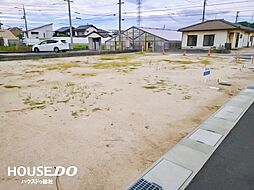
(248, 24)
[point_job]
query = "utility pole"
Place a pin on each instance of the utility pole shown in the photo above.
(70, 22)
(24, 11)
(120, 23)
(1, 22)
(24, 17)
(139, 13)
(237, 16)
(204, 7)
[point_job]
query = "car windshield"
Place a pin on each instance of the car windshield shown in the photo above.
(43, 42)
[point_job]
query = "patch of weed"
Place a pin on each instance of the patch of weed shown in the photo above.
(60, 66)
(96, 109)
(12, 86)
(114, 65)
(185, 62)
(151, 87)
(85, 74)
(63, 101)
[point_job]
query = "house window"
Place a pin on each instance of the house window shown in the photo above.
(208, 40)
(192, 40)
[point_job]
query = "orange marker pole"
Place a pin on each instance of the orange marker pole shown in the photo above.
(209, 52)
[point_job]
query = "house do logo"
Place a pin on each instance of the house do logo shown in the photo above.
(42, 171)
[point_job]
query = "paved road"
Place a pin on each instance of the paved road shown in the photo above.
(231, 167)
(43, 53)
(31, 55)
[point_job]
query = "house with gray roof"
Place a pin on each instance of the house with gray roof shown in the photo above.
(84, 30)
(64, 31)
(219, 34)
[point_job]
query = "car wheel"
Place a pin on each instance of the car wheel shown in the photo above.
(36, 50)
(56, 50)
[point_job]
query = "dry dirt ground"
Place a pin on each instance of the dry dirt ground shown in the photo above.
(111, 116)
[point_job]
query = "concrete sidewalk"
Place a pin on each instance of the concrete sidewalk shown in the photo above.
(217, 155)
(232, 164)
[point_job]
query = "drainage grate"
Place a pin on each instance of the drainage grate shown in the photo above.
(145, 185)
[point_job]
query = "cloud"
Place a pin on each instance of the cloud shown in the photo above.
(173, 14)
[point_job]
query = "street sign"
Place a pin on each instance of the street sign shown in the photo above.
(207, 72)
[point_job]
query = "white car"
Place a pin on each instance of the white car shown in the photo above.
(51, 45)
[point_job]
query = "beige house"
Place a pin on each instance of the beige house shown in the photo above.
(219, 34)
(7, 38)
(16, 31)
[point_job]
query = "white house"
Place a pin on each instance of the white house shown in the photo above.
(88, 35)
(84, 30)
(217, 34)
(39, 33)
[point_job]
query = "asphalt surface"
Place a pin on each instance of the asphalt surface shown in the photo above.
(44, 55)
(231, 167)
(5, 56)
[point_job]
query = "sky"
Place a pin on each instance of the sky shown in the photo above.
(170, 14)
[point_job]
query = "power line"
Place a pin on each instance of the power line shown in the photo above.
(174, 9)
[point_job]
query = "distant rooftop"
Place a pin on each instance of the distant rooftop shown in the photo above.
(218, 24)
(63, 29)
(84, 27)
(166, 34)
(39, 27)
(6, 34)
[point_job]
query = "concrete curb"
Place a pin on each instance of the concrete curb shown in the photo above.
(176, 169)
(13, 57)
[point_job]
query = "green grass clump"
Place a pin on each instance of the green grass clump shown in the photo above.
(85, 74)
(107, 58)
(112, 65)
(12, 86)
(80, 47)
(119, 57)
(29, 101)
(96, 109)
(222, 51)
(205, 62)
(185, 62)
(59, 66)
(33, 71)
(151, 87)
(74, 114)
(15, 48)
(64, 101)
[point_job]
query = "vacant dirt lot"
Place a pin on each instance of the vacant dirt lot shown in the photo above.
(111, 116)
